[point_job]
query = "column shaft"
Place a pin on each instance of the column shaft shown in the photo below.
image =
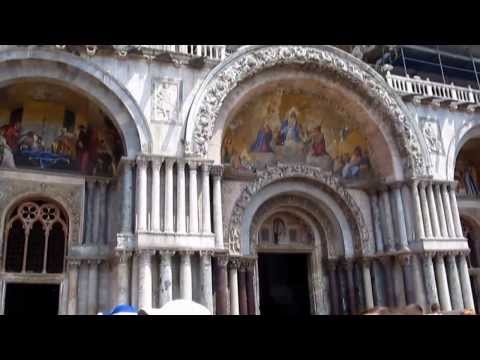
(454, 282)
(145, 284)
(206, 227)
(122, 278)
(72, 286)
(142, 195)
(102, 214)
(233, 277)
(92, 288)
(221, 285)
(401, 222)
(388, 234)
(442, 283)
(206, 280)
(448, 211)
(379, 288)
(433, 211)
(186, 276)
(455, 213)
(156, 166)
(441, 211)
(127, 192)
(398, 284)
(417, 208)
(217, 207)
(251, 289)
(181, 224)
(165, 277)
(351, 287)
(242, 290)
(377, 223)
(465, 283)
(418, 282)
(407, 208)
(332, 276)
(169, 196)
(90, 221)
(430, 283)
(425, 211)
(193, 198)
(367, 284)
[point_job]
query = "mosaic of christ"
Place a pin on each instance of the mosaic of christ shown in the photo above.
(295, 127)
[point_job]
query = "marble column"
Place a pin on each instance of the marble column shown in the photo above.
(101, 234)
(221, 285)
(242, 289)
(454, 282)
(388, 235)
(127, 192)
(169, 196)
(73, 266)
(156, 167)
(379, 287)
(441, 211)
(181, 215)
(465, 282)
(433, 211)
(407, 208)
(90, 220)
(425, 210)
(251, 287)
(367, 283)
(332, 276)
(96, 216)
(217, 172)
(430, 283)
(455, 214)
(145, 284)
(417, 209)
(442, 283)
(141, 194)
(92, 287)
(387, 264)
(233, 282)
(400, 215)
(104, 286)
(123, 295)
(165, 276)
(134, 280)
(193, 197)
(348, 263)
(376, 219)
(406, 262)
(448, 211)
(398, 282)
(82, 296)
(206, 289)
(206, 224)
(186, 275)
(418, 286)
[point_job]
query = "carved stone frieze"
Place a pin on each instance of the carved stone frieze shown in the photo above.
(166, 100)
(205, 110)
(327, 182)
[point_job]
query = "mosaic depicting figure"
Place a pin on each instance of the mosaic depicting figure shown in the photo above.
(281, 127)
(466, 176)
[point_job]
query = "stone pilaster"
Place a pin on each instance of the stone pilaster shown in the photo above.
(217, 172)
(165, 276)
(73, 266)
(145, 284)
(186, 275)
(206, 226)
(156, 167)
(221, 285)
(193, 197)
(454, 282)
(181, 215)
(442, 283)
(169, 195)
(206, 289)
(142, 194)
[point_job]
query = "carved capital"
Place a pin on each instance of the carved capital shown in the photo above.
(157, 163)
(74, 263)
(123, 256)
(141, 162)
(206, 253)
(217, 170)
(222, 260)
(146, 252)
(192, 165)
(166, 253)
(206, 168)
(234, 263)
(186, 253)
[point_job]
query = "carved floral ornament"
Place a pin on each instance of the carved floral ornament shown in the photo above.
(251, 61)
(328, 183)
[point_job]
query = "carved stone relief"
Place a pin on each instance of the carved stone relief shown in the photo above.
(166, 100)
(205, 110)
(432, 133)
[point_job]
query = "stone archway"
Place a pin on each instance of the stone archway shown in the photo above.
(250, 61)
(87, 79)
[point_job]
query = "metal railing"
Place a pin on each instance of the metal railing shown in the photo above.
(427, 88)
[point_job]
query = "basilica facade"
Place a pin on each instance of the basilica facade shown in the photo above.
(270, 179)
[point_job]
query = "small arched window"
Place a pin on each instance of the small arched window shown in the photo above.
(36, 236)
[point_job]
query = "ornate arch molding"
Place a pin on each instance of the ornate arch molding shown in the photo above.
(311, 210)
(470, 131)
(327, 183)
(253, 59)
(87, 78)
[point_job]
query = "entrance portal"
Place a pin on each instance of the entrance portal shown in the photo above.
(284, 284)
(32, 299)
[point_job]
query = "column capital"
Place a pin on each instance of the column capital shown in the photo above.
(331, 264)
(141, 161)
(428, 254)
(125, 163)
(206, 167)
(181, 163)
(94, 261)
(222, 260)
(404, 259)
(234, 263)
(147, 252)
(217, 170)
(396, 185)
(169, 162)
(186, 252)
(453, 185)
(157, 163)
(123, 256)
(166, 253)
(423, 183)
(348, 263)
(90, 182)
(206, 253)
(452, 253)
(103, 183)
(74, 263)
(192, 165)
(366, 261)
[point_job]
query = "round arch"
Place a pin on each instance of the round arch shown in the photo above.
(206, 107)
(467, 133)
(85, 78)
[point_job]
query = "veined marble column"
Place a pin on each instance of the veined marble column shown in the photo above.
(442, 283)
(433, 211)
(221, 285)
(193, 197)
(379, 287)
(233, 277)
(376, 221)
(388, 235)
(242, 289)
(454, 282)
(145, 284)
(448, 211)
(425, 210)
(206, 226)
(400, 215)
(417, 208)
(169, 196)
(407, 208)
(334, 298)
(102, 208)
(141, 195)
(456, 216)
(123, 274)
(441, 211)
(429, 277)
(127, 191)
(217, 172)
(418, 282)
(206, 289)
(186, 275)
(465, 282)
(181, 215)
(165, 276)
(367, 283)
(90, 221)
(398, 282)
(92, 287)
(156, 167)
(250, 264)
(73, 266)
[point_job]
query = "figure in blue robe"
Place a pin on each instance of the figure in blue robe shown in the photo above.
(290, 132)
(263, 141)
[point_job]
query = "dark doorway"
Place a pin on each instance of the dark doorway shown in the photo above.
(284, 286)
(31, 299)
